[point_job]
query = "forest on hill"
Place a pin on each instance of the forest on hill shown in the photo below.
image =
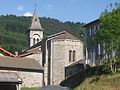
(13, 30)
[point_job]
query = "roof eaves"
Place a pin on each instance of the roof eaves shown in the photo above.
(90, 22)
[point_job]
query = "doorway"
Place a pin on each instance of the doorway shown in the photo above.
(8, 87)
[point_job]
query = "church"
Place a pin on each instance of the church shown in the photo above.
(55, 53)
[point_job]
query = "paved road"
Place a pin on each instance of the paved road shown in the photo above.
(54, 88)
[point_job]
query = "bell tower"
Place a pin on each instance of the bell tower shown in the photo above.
(35, 30)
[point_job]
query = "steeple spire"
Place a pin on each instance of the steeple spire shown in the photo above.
(35, 31)
(35, 5)
(35, 25)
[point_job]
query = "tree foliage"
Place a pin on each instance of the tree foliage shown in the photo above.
(109, 34)
(13, 30)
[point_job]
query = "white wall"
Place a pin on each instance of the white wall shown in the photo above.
(35, 34)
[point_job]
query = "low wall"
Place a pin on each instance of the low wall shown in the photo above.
(71, 70)
(76, 79)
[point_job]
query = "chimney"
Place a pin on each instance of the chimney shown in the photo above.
(16, 53)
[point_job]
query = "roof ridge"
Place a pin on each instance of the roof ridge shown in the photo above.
(68, 35)
(62, 32)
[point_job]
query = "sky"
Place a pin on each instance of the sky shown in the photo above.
(64, 10)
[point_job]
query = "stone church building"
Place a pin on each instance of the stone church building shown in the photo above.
(54, 53)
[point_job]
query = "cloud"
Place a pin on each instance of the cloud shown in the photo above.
(20, 8)
(48, 6)
(27, 14)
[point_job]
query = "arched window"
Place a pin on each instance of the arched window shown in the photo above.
(37, 40)
(33, 41)
(74, 55)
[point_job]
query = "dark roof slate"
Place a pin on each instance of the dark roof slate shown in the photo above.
(39, 44)
(35, 23)
(92, 23)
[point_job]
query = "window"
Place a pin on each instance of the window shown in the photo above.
(90, 31)
(94, 30)
(99, 49)
(70, 55)
(74, 55)
(33, 41)
(37, 40)
(98, 27)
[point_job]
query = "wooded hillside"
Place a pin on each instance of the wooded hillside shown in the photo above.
(13, 30)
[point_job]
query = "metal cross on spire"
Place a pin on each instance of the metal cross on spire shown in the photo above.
(35, 5)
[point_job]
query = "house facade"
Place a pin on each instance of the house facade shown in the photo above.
(93, 51)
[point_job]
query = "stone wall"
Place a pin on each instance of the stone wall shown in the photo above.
(37, 57)
(60, 57)
(31, 79)
(77, 78)
(73, 45)
(57, 61)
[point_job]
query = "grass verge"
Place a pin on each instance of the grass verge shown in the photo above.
(36, 88)
(103, 82)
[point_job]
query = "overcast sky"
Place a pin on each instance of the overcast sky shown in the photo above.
(64, 10)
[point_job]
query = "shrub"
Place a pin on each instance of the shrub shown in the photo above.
(88, 66)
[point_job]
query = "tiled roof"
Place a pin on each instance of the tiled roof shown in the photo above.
(39, 44)
(82, 61)
(8, 53)
(63, 35)
(10, 77)
(20, 64)
(29, 52)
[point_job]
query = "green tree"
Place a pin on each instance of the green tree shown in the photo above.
(109, 35)
(13, 30)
